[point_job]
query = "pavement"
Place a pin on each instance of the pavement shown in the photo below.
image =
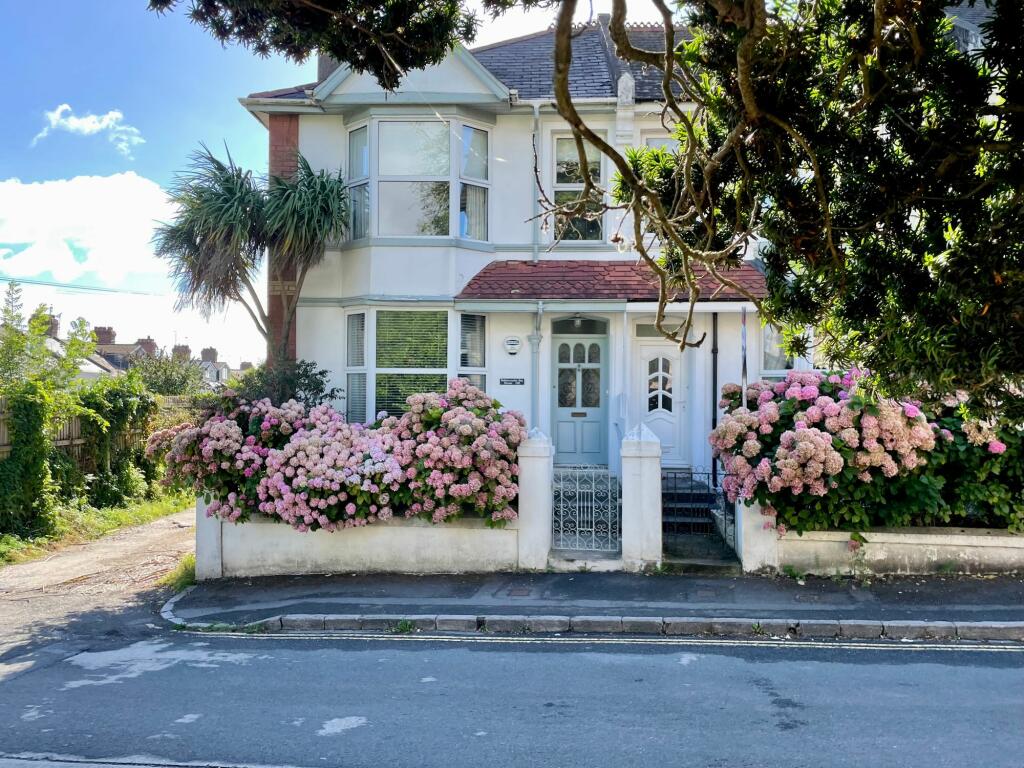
(102, 587)
(642, 604)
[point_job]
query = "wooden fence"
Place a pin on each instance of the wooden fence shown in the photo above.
(69, 438)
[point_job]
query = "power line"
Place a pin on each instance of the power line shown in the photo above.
(74, 288)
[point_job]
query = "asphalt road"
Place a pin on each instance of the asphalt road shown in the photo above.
(408, 701)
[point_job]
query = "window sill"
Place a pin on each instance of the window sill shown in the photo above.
(418, 242)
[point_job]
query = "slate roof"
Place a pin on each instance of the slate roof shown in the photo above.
(591, 280)
(526, 63)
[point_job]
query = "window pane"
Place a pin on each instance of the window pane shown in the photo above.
(577, 227)
(567, 162)
(579, 326)
(473, 212)
(412, 339)
(413, 208)
(594, 354)
(474, 153)
(474, 341)
(478, 380)
(360, 204)
(563, 353)
(591, 388)
(773, 358)
(662, 142)
(358, 154)
(567, 388)
(356, 353)
(355, 398)
(415, 148)
(578, 354)
(393, 389)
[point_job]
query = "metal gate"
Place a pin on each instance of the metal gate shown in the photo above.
(694, 504)
(587, 510)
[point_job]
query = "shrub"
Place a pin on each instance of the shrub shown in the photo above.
(450, 455)
(27, 494)
(817, 453)
(299, 380)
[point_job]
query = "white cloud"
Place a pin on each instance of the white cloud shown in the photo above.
(97, 230)
(123, 136)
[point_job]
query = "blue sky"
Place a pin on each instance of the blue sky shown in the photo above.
(104, 102)
(171, 80)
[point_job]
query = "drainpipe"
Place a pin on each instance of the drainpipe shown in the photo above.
(743, 347)
(714, 390)
(535, 202)
(534, 339)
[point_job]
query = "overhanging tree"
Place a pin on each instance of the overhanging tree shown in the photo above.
(878, 169)
(227, 220)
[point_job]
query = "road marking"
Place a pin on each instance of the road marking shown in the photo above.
(881, 645)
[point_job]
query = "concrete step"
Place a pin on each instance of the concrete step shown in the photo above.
(702, 566)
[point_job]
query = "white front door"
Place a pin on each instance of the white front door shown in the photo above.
(660, 395)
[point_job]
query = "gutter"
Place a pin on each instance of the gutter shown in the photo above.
(534, 339)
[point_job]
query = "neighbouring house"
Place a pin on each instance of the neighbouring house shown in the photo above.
(120, 356)
(447, 271)
(215, 372)
(95, 366)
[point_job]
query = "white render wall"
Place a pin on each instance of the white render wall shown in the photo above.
(262, 547)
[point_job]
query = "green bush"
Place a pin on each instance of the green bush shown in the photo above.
(27, 493)
(300, 380)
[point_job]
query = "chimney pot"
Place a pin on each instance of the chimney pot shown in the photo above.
(209, 355)
(181, 352)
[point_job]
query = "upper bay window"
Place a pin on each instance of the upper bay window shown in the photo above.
(569, 184)
(430, 179)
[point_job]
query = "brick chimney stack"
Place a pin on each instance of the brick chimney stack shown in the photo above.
(209, 355)
(181, 352)
(53, 329)
(245, 366)
(147, 344)
(104, 334)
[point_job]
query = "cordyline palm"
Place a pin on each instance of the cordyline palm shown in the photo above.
(227, 220)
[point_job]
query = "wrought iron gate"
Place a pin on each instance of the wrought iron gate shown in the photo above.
(693, 504)
(587, 510)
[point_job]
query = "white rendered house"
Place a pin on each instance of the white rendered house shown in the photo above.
(448, 271)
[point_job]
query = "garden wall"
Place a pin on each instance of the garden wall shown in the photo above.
(262, 547)
(885, 551)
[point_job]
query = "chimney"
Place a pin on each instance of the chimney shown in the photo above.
(209, 355)
(147, 344)
(181, 352)
(245, 366)
(104, 334)
(54, 330)
(325, 65)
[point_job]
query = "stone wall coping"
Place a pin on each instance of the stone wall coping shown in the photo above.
(972, 537)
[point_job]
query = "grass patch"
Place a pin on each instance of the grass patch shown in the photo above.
(183, 575)
(79, 523)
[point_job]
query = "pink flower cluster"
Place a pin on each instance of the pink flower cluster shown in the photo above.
(799, 434)
(449, 455)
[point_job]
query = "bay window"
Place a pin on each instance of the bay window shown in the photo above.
(359, 182)
(429, 179)
(411, 356)
(568, 186)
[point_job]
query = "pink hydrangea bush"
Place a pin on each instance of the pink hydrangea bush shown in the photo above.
(448, 456)
(817, 452)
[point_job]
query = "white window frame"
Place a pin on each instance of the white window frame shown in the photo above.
(799, 363)
(557, 186)
(470, 370)
(367, 180)
(460, 178)
(646, 136)
(452, 350)
(365, 368)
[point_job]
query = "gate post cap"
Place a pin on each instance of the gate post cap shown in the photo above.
(641, 441)
(535, 444)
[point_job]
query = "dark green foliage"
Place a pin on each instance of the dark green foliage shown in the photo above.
(300, 380)
(168, 375)
(27, 494)
(119, 411)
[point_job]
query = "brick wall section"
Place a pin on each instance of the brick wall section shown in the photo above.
(284, 154)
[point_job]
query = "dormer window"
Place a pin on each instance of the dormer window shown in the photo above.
(428, 178)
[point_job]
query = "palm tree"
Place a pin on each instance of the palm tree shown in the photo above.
(227, 219)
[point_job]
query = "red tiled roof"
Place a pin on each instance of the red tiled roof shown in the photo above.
(600, 280)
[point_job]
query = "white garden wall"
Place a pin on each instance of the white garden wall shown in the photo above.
(886, 551)
(262, 547)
